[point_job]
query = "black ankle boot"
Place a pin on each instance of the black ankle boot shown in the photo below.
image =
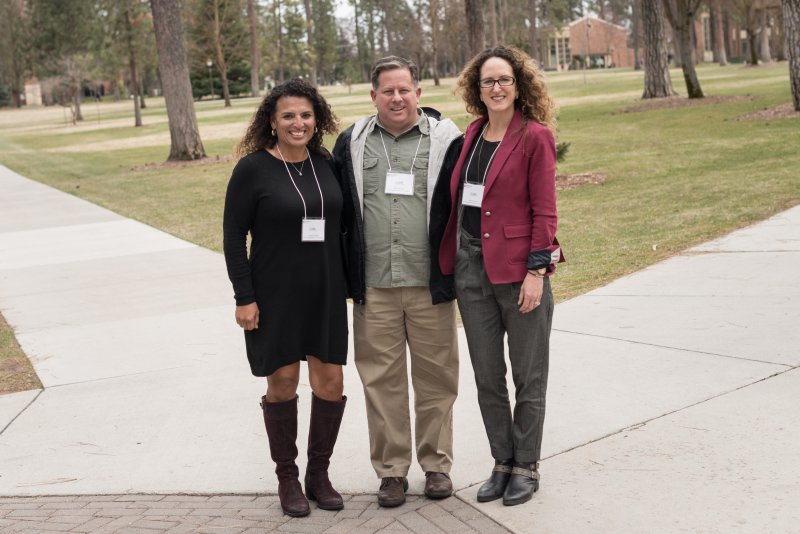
(522, 484)
(493, 488)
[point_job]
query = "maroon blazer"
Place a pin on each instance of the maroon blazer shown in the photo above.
(518, 212)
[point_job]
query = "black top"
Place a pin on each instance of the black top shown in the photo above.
(299, 286)
(475, 173)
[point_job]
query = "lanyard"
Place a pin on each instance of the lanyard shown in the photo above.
(380, 131)
(322, 199)
(486, 172)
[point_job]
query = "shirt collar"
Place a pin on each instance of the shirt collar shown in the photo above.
(422, 124)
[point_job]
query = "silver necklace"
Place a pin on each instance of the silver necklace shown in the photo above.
(300, 170)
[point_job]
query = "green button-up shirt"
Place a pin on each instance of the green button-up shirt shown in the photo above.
(395, 226)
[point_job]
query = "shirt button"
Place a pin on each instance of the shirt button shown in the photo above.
(395, 201)
(488, 213)
(486, 235)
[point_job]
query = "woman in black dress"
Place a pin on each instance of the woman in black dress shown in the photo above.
(290, 293)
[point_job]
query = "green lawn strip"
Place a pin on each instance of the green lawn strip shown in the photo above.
(16, 372)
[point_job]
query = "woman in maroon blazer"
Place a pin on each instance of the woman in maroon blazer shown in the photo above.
(500, 241)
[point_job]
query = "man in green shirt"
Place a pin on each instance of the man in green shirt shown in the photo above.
(388, 165)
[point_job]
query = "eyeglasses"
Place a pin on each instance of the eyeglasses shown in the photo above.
(504, 81)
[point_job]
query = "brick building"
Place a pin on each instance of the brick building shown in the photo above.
(599, 43)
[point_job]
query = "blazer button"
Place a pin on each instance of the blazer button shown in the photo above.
(486, 235)
(488, 213)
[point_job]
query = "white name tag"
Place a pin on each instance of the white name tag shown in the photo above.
(472, 195)
(313, 230)
(399, 183)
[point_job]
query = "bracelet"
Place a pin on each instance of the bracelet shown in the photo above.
(538, 273)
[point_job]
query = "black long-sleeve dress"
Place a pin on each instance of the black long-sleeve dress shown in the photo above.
(299, 287)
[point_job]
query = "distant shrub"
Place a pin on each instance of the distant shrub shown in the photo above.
(561, 151)
(5, 95)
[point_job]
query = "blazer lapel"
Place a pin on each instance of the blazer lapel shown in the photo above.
(511, 139)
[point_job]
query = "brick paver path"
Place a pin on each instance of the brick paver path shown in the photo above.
(233, 514)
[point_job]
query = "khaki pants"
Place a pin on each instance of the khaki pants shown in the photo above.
(390, 319)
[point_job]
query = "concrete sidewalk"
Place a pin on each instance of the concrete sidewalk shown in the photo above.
(672, 401)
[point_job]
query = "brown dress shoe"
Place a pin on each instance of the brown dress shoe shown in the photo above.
(438, 485)
(392, 492)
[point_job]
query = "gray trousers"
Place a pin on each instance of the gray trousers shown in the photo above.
(489, 312)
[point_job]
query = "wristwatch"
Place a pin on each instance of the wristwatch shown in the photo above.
(539, 273)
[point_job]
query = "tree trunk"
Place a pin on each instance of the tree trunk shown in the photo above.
(360, 52)
(77, 114)
(748, 22)
(681, 15)
(693, 89)
(719, 34)
(371, 36)
(676, 52)
(636, 23)
(12, 36)
(222, 62)
(493, 21)
(726, 32)
(388, 27)
(77, 79)
(791, 31)
(175, 84)
(279, 32)
(310, 42)
(117, 85)
(137, 110)
(502, 19)
(764, 51)
(533, 37)
(474, 10)
(657, 82)
(752, 44)
(712, 31)
(433, 7)
(140, 88)
(255, 57)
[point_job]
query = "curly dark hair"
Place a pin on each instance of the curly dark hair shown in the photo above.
(534, 100)
(259, 133)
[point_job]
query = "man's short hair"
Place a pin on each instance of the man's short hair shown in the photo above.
(392, 63)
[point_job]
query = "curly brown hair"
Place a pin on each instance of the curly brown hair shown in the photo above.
(534, 100)
(259, 133)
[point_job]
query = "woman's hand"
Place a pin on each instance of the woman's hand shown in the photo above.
(247, 316)
(530, 294)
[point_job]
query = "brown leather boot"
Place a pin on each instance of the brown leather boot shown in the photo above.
(280, 418)
(326, 417)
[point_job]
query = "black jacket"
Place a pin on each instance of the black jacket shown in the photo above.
(441, 286)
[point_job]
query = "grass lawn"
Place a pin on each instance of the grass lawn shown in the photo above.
(16, 372)
(675, 177)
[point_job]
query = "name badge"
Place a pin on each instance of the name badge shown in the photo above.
(313, 230)
(472, 195)
(399, 183)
